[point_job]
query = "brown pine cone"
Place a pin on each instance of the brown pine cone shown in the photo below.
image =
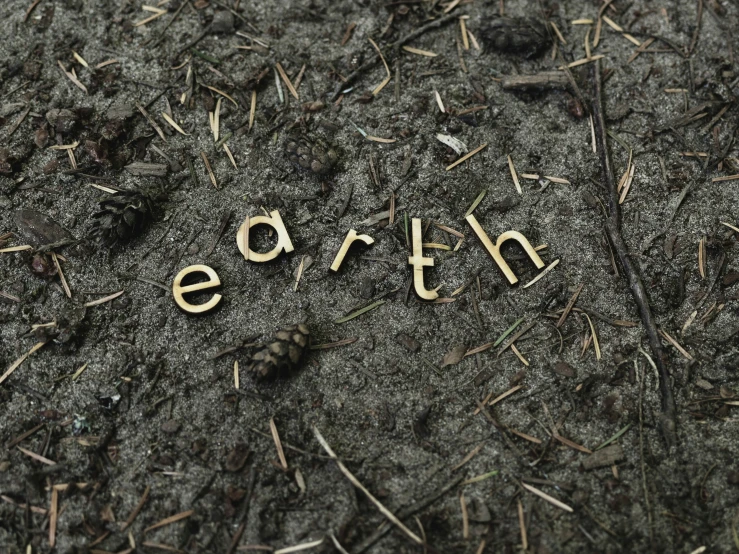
(281, 357)
(123, 215)
(311, 154)
(525, 36)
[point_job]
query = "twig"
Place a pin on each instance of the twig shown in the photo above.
(613, 230)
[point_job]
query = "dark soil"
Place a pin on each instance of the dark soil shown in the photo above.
(155, 415)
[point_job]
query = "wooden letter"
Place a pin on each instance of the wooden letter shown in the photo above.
(351, 236)
(178, 291)
(419, 262)
(494, 249)
(283, 239)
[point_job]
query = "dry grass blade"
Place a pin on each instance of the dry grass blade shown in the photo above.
(278, 443)
(73, 78)
(104, 299)
(299, 547)
(21, 248)
(287, 81)
(569, 306)
(169, 520)
(469, 456)
(549, 268)
(137, 509)
(514, 175)
(253, 108)
(37, 457)
(596, 344)
(173, 123)
(53, 515)
(548, 498)
(466, 157)
(387, 513)
(419, 52)
(522, 525)
(210, 171)
(465, 517)
(20, 360)
(387, 69)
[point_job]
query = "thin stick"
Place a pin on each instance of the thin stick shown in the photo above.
(613, 230)
(387, 513)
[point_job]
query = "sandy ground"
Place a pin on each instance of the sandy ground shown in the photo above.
(154, 414)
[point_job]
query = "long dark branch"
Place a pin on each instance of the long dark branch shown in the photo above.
(631, 271)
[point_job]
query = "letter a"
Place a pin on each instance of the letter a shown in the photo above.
(283, 239)
(494, 249)
(419, 262)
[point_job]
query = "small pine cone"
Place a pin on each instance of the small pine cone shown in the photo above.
(123, 215)
(525, 36)
(310, 154)
(281, 357)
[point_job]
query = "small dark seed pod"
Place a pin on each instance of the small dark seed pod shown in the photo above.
(311, 154)
(123, 216)
(282, 356)
(525, 36)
